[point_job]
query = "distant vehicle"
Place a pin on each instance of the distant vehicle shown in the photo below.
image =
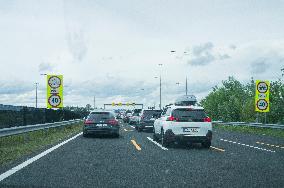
(101, 122)
(126, 117)
(183, 124)
(134, 118)
(147, 119)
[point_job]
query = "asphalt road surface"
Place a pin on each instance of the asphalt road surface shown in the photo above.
(134, 160)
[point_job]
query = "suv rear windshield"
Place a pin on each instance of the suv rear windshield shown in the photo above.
(189, 115)
(99, 116)
(152, 113)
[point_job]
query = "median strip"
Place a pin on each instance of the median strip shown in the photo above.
(136, 145)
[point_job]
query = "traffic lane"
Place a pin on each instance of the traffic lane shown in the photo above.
(249, 138)
(253, 167)
(90, 162)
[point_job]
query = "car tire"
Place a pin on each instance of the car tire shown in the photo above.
(163, 139)
(85, 134)
(155, 138)
(206, 144)
(139, 129)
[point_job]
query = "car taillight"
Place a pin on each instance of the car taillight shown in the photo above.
(113, 122)
(88, 122)
(171, 118)
(207, 119)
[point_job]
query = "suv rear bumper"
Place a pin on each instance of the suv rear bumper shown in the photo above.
(104, 130)
(171, 137)
(143, 125)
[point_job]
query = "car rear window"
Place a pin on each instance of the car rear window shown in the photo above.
(151, 113)
(99, 116)
(189, 115)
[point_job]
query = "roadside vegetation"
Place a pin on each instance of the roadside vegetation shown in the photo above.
(17, 146)
(234, 101)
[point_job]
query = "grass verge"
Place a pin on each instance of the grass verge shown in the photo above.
(16, 146)
(279, 133)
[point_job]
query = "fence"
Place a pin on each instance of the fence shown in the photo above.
(31, 116)
(30, 128)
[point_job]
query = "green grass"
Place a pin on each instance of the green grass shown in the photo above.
(279, 133)
(17, 146)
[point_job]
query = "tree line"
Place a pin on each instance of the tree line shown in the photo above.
(234, 101)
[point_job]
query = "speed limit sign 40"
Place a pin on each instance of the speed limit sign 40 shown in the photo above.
(262, 96)
(54, 100)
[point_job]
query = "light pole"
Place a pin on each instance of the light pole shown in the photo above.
(160, 105)
(185, 53)
(36, 92)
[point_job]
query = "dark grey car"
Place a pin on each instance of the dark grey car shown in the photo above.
(101, 122)
(147, 119)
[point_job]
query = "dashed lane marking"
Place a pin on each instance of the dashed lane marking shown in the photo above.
(132, 127)
(271, 145)
(250, 146)
(218, 149)
(163, 148)
(136, 145)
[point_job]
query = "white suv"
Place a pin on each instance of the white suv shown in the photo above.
(183, 124)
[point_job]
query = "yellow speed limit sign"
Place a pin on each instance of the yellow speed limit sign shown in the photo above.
(54, 91)
(262, 96)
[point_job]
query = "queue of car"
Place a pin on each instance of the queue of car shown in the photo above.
(180, 122)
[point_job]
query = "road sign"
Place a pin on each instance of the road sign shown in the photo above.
(262, 96)
(113, 104)
(54, 91)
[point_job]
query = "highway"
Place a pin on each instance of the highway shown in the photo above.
(134, 160)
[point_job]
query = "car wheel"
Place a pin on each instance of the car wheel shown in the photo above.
(155, 138)
(85, 134)
(206, 144)
(163, 139)
(139, 129)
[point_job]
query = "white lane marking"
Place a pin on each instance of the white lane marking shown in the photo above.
(263, 149)
(218, 149)
(35, 158)
(125, 129)
(163, 148)
(132, 127)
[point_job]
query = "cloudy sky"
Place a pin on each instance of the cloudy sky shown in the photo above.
(111, 48)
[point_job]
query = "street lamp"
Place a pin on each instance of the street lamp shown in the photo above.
(160, 105)
(36, 92)
(185, 53)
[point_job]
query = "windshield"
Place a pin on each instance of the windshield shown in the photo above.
(98, 116)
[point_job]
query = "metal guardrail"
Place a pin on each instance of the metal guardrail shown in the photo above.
(29, 128)
(261, 125)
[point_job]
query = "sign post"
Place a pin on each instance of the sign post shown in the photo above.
(262, 96)
(54, 91)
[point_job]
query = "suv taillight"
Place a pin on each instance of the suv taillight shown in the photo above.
(207, 119)
(113, 122)
(171, 118)
(88, 122)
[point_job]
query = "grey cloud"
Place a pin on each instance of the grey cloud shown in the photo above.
(202, 55)
(15, 87)
(45, 67)
(77, 45)
(224, 56)
(233, 47)
(259, 66)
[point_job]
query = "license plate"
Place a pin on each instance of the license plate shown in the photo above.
(101, 125)
(191, 130)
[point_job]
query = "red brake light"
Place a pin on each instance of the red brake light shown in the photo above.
(88, 122)
(113, 122)
(171, 118)
(207, 119)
